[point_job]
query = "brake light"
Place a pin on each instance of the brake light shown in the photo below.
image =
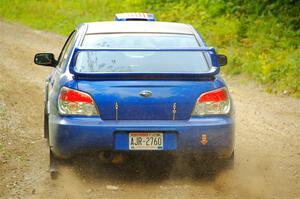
(213, 102)
(74, 102)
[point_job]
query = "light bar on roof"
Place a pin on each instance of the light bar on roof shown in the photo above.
(134, 16)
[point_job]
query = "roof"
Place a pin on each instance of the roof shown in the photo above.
(138, 27)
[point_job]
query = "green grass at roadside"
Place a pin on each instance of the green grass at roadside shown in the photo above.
(257, 42)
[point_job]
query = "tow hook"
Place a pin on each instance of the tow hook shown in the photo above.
(204, 139)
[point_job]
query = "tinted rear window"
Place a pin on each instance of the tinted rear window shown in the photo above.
(142, 61)
(140, 40)
(153, 61)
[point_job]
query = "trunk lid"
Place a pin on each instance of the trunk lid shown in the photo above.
(126, 100)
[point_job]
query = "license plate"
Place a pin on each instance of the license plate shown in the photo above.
(146, 141)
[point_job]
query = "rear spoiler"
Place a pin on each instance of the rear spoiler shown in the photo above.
(214, 70)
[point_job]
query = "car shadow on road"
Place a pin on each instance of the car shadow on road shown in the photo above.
(144, 169)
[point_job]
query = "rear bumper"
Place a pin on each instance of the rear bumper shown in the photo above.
(71, 135)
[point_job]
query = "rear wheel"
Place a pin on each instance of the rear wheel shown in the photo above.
(46, 124)
(204, 165)
(229, 162)
(209, 164)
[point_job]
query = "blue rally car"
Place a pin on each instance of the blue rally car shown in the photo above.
(136, 85)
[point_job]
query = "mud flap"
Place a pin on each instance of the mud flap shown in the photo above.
(53, 166)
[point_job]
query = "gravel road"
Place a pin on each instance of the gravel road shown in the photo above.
(267, 152)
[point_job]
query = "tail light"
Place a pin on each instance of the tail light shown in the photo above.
(212, 102)
(74, 102)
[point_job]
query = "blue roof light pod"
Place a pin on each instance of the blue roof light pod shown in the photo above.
(134, 16)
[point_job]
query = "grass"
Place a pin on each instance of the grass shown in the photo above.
(261, 40)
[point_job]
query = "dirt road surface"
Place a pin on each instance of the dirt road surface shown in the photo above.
(267, 152)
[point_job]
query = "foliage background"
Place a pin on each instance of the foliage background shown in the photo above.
(260, 37)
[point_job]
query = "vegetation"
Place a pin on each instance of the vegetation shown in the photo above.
(261, 38)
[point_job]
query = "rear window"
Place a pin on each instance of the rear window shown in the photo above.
(140, 41)
(139, 53)
(141, 62)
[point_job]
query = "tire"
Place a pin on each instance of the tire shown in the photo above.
(205, 165)
(209, 164)
(229, 163)
(46, 124)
